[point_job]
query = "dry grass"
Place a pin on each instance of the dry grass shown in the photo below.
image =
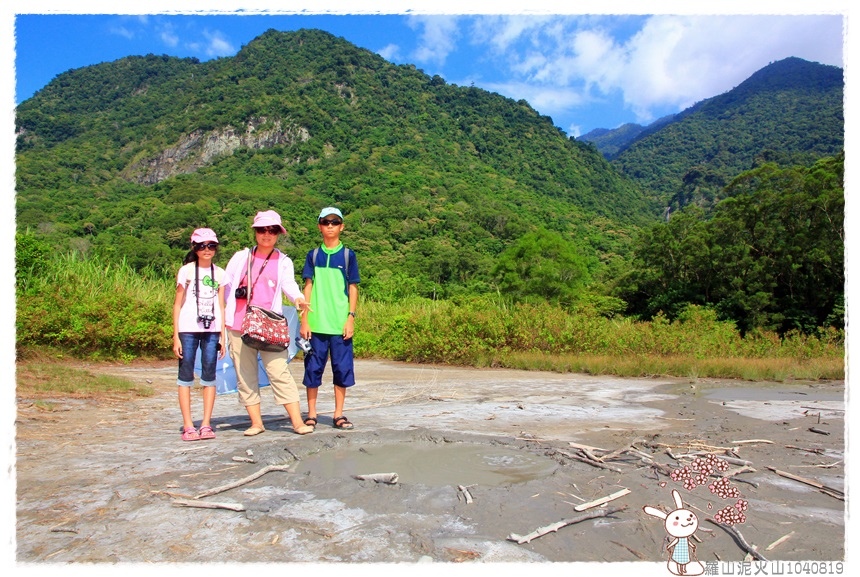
(40, 378)
(767, 369)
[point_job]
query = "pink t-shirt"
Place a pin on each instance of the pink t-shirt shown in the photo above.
(264, 285)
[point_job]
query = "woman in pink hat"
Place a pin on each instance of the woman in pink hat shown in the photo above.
(198, 322)
(272, 275)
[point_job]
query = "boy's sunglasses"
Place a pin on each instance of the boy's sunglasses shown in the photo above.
(206, 246)
(331, 222)
(269, 229)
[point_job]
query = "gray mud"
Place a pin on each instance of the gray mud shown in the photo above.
(99, 482)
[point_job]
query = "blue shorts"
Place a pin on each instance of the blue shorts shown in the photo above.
(340, 350)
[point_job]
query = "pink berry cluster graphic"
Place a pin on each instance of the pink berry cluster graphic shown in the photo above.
(732, 515)
(698, 473)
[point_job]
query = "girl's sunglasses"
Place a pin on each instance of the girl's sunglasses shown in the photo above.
(206, 246)
(269, 229)
(331, 222)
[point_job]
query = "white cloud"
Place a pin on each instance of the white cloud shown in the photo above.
(557, 63)
(122, 31)
(217, 44)
(389, 52)
(168, 35)
(438, 38)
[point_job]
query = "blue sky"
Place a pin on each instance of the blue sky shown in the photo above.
(585, 71)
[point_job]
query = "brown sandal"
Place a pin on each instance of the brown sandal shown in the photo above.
(341, 422)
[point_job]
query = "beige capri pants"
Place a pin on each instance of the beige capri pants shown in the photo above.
(245, 362)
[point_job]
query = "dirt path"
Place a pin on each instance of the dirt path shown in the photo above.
(97, 483)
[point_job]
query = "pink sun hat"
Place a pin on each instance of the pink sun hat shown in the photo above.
(269, 218)
(204, 235)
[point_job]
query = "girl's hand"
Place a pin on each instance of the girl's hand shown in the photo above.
(222, 350)
(177, 346)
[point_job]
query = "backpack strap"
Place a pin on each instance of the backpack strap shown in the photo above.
(346, 252)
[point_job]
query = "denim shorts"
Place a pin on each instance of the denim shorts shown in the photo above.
(208, 345)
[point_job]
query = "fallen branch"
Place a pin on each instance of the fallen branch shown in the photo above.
(390, 478)
(597, 464)
(241, 482)
(823, 488)
(602, 500)
(739, 539)
(812, 450)
(466, 494)
(753, 441)
(541, 531)
(209, 505)
(819, 431)
(779, 541)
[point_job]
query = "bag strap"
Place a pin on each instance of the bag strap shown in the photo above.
(265, 262)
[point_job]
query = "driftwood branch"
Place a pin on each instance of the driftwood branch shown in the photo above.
(541, 531)
(209, 505)
(602, 500)
(390, 478)
(821, 487)
(591, 462)
(779, 541)
(466, 494)
(739, 539)
(241, 482)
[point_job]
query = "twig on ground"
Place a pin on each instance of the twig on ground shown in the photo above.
(815, 450)
(390, 478)
(820, 486)
(602, 500)
(819, 431)
(739, 539)
(748, 441)
(209, 505)
(591, 462)
(635, 552)
(541, 531)
(779, 541)
(241, 482)
(466, 494)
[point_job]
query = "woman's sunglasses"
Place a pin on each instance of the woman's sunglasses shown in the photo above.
(269, 229)
(331, 222)
(206, 246)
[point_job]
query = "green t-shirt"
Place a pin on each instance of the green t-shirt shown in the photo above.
(329, 301)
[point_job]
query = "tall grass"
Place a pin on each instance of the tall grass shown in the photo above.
(94, 309)
(97, 310)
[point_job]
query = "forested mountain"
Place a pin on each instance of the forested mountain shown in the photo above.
(790, 112)
(124, 159)
(611, 142)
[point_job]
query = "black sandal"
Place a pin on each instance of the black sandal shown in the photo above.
(341, 422)
(311, 421)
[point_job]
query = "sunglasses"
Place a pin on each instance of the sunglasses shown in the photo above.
(331, 222)
(267, 229)
(206, 246)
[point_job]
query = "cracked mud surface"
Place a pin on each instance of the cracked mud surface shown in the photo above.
(97, 482)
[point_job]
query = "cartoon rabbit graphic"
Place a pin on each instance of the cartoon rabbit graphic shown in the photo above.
(680, 525)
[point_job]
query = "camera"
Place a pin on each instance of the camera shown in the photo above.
(206, 320)
(242, 292)
(304, 344)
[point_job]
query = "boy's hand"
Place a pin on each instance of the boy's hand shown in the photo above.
(305, 330)
(349, 327)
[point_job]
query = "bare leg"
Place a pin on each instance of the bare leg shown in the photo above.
(208, 405)
(295, 415)
(254, 414)
(312, 400)
(339, 398)
(185, 406)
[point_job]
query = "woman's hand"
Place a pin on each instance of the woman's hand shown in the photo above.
(302, 306)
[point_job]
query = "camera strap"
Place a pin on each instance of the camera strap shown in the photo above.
(197, 283)
(259, 273)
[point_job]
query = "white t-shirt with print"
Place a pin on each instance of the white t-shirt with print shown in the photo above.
(201, 299)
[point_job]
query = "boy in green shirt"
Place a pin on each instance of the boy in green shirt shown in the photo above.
(331, 289)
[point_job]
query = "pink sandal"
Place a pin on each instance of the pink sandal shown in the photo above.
(206, 432)
(190, 434)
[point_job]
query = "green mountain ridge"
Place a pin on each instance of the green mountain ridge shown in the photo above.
(436, 179)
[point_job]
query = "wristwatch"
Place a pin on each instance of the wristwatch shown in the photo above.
(352, 314)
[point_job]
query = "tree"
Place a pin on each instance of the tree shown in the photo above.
(542, 265)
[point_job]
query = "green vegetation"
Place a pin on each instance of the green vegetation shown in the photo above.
(117, 313)
(789, 112)
(770, 256)
(485, 235)
(43, 377)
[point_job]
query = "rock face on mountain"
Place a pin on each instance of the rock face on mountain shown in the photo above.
(200, 148)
